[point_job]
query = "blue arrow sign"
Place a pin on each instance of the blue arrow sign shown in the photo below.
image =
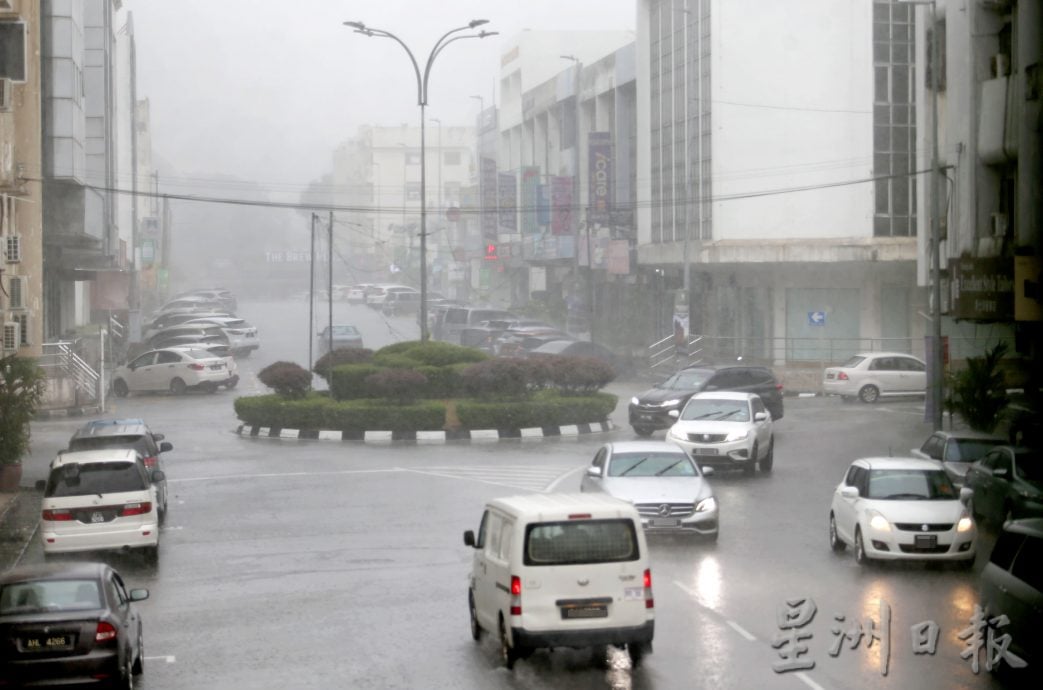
(816, 318)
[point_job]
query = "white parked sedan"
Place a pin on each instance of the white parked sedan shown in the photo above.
(900, 508)
(664, 484)
(726, 430)
(870, 375)
(170, 370)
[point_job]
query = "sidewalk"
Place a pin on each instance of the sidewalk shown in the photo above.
(16, 525)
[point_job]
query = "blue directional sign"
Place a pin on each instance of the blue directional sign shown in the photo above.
(816, 318)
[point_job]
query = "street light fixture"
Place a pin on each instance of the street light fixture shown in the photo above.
(421, 97)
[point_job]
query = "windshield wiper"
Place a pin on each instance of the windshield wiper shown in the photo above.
(703, 416)
(668, 467)
(917, 497)
(627, 470)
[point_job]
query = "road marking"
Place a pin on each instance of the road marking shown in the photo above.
(279, 475)
(554, 484)
(807, 680)
(169, 659)
(513, 476)
(742, 631)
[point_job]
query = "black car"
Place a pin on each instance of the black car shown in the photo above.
(650, 410)
(127, 433)
(69, 623)
(1007, 484)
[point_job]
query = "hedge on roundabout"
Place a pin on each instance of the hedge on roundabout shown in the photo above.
(430, 386)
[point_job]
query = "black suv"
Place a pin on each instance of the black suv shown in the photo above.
(650, 410)
(127, 433)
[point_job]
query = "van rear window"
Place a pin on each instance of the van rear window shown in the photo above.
(573, 542)
(95, 478)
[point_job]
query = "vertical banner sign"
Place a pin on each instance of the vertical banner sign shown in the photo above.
(561, 205)
(508, 201)
(530, 199)
(543, 215)
(490, 194)
(600, 161)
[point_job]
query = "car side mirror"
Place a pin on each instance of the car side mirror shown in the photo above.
(965, 494)
(760, 416)
(165, 446)
(999, 472)
(469, 538)
(849, 492)
(158, 475)
(706, 470)
(138, 594)
(594, 472)
(676, 414)
(40, 485)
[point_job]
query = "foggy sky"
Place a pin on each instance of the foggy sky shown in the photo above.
(264, 90)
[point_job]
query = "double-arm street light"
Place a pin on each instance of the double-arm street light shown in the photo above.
(421, 98)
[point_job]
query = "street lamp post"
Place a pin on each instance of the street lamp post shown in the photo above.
(421, 94)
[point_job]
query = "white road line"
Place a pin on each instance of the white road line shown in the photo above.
(741, 630)
(279, 475)
(169, 659)
(531, 486)
(807, 680)
(554, 484)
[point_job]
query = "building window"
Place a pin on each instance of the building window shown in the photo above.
(12, 50)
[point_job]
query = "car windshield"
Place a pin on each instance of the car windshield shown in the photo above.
(1028, 467)
(49, 595)
(968, 449)
(910, 485)
(345, 330)
(853, 362)
(94, 478)
(692, 379)
(651, 465)
(573, 542)
(137, 442)
(717, 410)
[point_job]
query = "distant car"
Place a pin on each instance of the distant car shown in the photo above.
(128, 433)
(344, 335)
(176, 318)
(187, 333)
(400, 302)
(651, 410)
(574, 348)
(173, 370)
(242, 337)
(356, 294)
(378, 293)
(869, 376)
(221, 295)
(1007, 483)
(900, 509)
(726, 430)
(69, 623)
(455, 319)
(957, 450)
(197, 303)
(664, 484)
(1012, 586)
(100, 500)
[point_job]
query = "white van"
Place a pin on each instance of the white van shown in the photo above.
(561, 570)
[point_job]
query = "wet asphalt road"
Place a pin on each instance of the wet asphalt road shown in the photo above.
(328, 564)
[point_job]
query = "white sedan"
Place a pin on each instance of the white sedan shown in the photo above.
(871, 375)
(170, 370)
(901, 509)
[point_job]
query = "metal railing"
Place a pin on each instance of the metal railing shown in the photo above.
(59, 360)
(664, 354)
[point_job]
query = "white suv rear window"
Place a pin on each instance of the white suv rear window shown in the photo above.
(95, 478)
(574, 542)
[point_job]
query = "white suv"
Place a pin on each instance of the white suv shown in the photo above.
(725, 430)
(100, 499)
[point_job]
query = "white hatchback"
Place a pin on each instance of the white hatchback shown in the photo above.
(872, 375)
(171, 370)
(901, 509)
(100, 500)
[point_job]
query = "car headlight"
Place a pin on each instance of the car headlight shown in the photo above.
(965, 524)
(738, 435)
(635, 401)
(879, 523)
(706, 505)
(672, 403)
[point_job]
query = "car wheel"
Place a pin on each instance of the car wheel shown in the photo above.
(507, 653)
(476, 630)
(139, 662)
(177, 386)
(119, 387)
(643, 430)
(869, 394)
(751, 465)
(638, 650)
(860, 549)
(768, 460)
(231, 383)
(835, 542)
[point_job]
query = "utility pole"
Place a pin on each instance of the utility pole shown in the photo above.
(311, 294)
(329, 288)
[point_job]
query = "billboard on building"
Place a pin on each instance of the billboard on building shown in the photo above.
(561, 195)
(507, 197)
(530, 199)
(600, 171)
(489, 196)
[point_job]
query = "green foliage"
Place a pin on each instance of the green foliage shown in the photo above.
(287, 379)
(544, 409)
(397, 385)
(978, 392)
(342, 355)
(21, 391)
(442, 382)
(432, 353)
(504, 378)
(348, 381)
(579, 375)
(394, 360)
(351, 416)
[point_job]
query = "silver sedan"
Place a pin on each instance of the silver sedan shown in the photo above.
(668, 489)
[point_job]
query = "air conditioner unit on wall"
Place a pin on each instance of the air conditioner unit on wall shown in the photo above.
(12, 248)
(12, 336)
(6, 94)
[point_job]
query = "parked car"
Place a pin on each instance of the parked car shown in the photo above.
(221, 295)
(400, 302)
(356, 294)
(378, 293)
(1007, 483)
(193, 302)
(186, 333)
(651, 410)
(872, 375)
(561, 570)
(957, 450)
(176, 318)
(344, 335)
(1012, 586)
(128, 433)
(170, 369)
(518, 341)
(100, 500)
(668, 489)
(575, 348)
(69, 623)
(456, 319)
(900, 509)
(221, 350)
(727, 430)
(242, 337)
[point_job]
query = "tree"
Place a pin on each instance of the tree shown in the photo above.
(979, 392)
(21, 391)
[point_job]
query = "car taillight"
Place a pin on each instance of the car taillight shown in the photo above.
(778, 387)
(841, 376)
(515, 595)
(649, 600)
(150, 462)
(141, 508)
(196, 367)
(57, 515)
(105, 632)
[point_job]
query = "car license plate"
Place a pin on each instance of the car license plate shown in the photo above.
(48, 643)
(705, 451)
(648, 417)
(97, 517)
(925, 541)
(585, 612)
(665, 522)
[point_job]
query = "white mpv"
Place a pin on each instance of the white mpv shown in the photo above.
(561, 570)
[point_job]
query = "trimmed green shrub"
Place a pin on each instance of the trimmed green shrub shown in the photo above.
(544, 409)
(354, 416)
(580, 375)
(432, 353)
(505, 377)
(442, 382)
(342, 355)
(398, 385)
(394, 360)
(277, 411)
(287, 379)
(348, 381)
